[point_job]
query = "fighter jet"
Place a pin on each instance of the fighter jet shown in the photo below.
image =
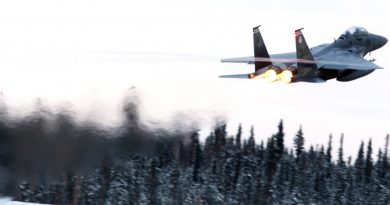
(343, 59)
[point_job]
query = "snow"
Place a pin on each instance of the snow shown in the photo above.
(7, 201)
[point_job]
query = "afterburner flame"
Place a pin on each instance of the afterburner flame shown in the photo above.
(285, 76)
(269, 75)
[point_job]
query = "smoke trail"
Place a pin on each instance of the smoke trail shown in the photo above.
(44, 146)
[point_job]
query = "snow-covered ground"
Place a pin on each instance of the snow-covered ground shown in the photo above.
(7, 201)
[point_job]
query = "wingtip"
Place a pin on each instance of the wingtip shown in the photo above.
(298, 30)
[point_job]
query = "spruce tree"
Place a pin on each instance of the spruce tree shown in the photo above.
(348, 197)
(118, 191)
(176, 189)
(329, 151)
(368, 168)
(279, 141)
(91, 188)
(329, 159)
(238, 137)
(340, 175)
(359, 164)
(209, 151)
(271, 162)
(251, 143)
(196, 156)
(220, 139)
(385, 160)
(299, 142)
(340, 159)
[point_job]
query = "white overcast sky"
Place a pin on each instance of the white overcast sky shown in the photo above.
(88, 53)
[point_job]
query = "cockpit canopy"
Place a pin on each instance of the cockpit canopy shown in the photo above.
(355, 31)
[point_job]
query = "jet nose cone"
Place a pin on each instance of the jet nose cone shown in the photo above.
(380, 41)
(384, 40)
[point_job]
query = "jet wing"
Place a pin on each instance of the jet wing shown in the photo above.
(349, 61)
(249, 60)
(252, 60)
(337, 62)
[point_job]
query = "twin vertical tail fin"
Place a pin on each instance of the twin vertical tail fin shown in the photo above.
(303, 50)
(260, 51)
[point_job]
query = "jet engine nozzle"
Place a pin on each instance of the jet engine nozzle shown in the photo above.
(285, 76)
(293, 70)
(270, 75)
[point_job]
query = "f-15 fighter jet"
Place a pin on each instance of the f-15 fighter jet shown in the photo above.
(343, 59)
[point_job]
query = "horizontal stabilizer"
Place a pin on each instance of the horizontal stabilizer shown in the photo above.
(239, 76)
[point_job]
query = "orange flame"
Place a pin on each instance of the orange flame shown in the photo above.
(269, 75)
(285, 76)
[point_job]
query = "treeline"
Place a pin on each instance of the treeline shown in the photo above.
(45, 147)
(225, 169)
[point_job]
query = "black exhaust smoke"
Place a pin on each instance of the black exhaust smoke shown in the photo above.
(44, 147)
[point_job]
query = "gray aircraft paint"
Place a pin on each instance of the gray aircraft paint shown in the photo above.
(342, 60)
